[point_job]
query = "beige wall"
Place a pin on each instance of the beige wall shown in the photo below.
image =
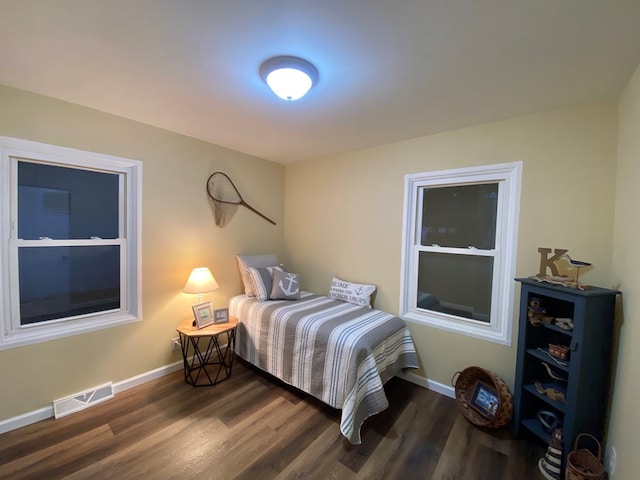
(344, 215)
(178, 234)
(625, 415)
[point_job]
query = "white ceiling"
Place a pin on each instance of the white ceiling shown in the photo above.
(389, 69)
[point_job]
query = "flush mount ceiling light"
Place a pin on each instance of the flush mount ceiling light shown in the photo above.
(290, 78)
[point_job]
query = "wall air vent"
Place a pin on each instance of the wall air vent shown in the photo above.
(80, 401)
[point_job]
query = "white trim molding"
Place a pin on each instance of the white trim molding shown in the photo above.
(441, 388)
(47, 412)
(498, 327)
(13, 331)
(44, 413)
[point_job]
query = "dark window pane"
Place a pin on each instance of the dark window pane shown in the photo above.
(66, 203)
(60, 282)
(460, 216)
(455, 284)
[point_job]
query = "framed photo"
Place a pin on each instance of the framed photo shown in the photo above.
(485, 399)
(203, 312)
(221, 315)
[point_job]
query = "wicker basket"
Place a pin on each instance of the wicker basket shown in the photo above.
(465, 382)
(582, 464)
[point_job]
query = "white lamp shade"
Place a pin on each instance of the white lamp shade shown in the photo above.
(200, 281)
(289, 83)
(290, 78)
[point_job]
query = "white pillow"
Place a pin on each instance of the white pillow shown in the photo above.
(356, 293)
(262, 279)
(245, 261)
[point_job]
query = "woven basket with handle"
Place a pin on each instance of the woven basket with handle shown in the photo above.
(582, 464)
(464, 383)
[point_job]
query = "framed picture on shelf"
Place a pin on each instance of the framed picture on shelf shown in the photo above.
(203, 313)
(221, 315)
(485, 399)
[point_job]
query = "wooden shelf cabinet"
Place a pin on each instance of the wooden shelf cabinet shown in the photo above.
(587, 370)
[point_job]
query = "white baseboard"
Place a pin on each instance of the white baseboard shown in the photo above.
(146, 377)
(440, 388)
(44, 413)
(25, 419)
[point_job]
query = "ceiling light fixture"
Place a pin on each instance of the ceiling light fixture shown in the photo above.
(290, 78)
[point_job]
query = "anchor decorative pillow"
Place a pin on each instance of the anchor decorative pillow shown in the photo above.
(286, 286)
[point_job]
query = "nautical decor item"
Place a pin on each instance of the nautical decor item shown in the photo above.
(550, 465)
(577, 264)
(556, 278)
(226, 199)
(537, 314)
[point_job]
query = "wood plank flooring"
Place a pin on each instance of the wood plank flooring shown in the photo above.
(253, 427)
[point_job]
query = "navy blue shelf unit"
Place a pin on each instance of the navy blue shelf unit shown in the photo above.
(587, 370)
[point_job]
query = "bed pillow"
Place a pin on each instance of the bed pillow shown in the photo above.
(246, 261)
(262, 280)
(286, 285)
(356, 293)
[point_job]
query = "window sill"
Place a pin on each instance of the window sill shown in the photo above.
(29, 335)
(451, 323)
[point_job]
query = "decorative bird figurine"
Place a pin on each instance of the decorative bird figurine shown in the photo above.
(577, 264)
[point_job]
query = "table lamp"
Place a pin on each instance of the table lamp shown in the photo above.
(200, 281)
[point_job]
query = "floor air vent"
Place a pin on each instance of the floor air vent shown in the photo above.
(80, 401)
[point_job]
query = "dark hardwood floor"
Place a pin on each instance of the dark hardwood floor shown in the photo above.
(253, 427)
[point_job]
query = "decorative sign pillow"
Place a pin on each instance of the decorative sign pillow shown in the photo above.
(286, 286)
(262, 280)
(246, 261)
(355, 293)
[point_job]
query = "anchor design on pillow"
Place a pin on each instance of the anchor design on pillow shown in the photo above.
(292, 287)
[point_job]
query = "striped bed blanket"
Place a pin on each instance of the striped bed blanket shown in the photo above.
(338, 352)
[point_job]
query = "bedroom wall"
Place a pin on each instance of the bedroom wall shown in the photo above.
(344, 214)
(625, 417)
(178, 234)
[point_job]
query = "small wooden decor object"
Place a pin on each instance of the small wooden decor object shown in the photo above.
(582, 464)
(559, 351)
(475, 389)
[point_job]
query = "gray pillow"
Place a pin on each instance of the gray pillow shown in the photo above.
(262, 280)
(286, 286)
(245, 261)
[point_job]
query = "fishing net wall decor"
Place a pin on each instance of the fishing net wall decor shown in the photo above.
(226, 199)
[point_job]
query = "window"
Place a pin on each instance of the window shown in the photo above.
(459, 249)
(70, 258)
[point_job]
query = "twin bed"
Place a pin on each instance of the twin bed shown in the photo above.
(337, 351)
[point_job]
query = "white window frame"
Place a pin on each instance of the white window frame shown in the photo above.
(508, 176)
(12, 334)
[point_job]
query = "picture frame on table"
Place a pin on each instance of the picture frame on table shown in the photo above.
(203, 313)
(221, 315)
(485, 399)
